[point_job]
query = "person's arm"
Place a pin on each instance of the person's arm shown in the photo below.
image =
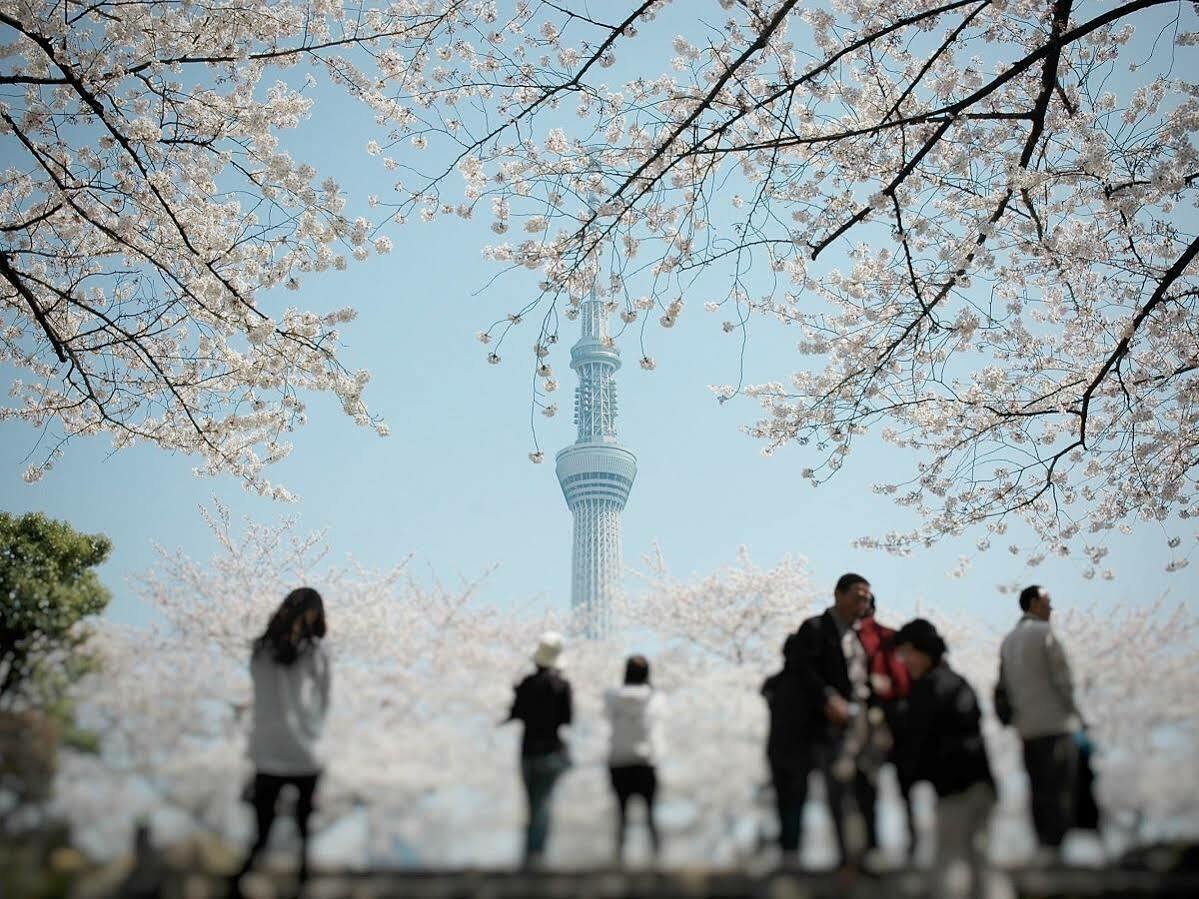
(657, 725)
(517, 711)
(1059, 671)
(324, 679)
(821, 694)
(567, 704)
(912, 736)
(807, 652)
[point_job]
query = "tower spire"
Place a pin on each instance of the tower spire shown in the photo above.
(596, 473)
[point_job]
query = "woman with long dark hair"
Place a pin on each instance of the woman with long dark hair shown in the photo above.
(290, 673)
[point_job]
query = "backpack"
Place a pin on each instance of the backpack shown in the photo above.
(1003, 703)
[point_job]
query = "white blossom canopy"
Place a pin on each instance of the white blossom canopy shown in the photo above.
(147, 206)
(976, 215)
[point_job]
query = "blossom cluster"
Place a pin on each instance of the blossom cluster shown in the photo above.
(978, 236)
(152, 219)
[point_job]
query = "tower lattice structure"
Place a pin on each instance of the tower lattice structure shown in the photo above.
(596, 474)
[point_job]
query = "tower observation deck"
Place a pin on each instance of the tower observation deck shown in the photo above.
(596, 474)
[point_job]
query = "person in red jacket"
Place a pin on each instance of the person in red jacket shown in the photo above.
(892, 683)
(888, 675)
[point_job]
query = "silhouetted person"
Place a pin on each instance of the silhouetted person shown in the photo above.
(832, 664)
(1035, 692)
(789, 750)
(543, 703)
(635, 714)
(939, 740)
(290, 673)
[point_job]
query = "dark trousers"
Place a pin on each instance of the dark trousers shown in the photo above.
(540, 773)
(851, 800)
(790, 778)
(1052, 764)
(629, 781)
(267, 788)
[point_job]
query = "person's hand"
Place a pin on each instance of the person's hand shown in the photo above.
(836, 709)
(1082, 739)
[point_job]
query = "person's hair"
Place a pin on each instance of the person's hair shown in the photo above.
(845, 581)
(282, 638)
(636, 670)
(921, 634)
(1027, 595)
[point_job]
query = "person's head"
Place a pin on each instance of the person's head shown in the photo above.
(1034, 601)
(298, 622)
(920, 647)
(549, 650)
(851, 596)
(636, 670)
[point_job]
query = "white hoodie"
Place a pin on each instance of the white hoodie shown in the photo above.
(635, 713)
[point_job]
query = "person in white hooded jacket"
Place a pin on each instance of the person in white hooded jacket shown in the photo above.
(290, 673)
(635, 713)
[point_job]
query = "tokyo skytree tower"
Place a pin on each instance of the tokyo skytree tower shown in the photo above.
(596, 473)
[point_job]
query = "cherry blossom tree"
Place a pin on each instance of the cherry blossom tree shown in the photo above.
(149, 208)
(976, 215)
(423, 674)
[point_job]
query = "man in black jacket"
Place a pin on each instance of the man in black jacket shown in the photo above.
(832, 667)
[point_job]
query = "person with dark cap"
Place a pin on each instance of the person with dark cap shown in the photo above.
(831, 664)
(788, 749)
(940, 741)
(1035, 693)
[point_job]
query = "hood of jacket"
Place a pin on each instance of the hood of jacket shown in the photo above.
(633, 711)
(633, 697)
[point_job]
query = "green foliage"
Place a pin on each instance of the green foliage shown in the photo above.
(47, 588)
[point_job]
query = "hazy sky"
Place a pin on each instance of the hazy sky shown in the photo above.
(453, 484)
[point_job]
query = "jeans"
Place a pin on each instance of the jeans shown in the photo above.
(540, 773)
(1052, 764)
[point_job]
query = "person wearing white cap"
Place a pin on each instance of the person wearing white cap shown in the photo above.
(543, 703)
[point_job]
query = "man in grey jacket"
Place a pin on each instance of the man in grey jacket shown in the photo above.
(1035, 692)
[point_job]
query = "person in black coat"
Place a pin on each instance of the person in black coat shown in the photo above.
(543, 703)
(939, 740)
(835, 713)
(787, 749)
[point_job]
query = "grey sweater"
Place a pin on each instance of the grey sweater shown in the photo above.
(1034, 670)
(290, 702)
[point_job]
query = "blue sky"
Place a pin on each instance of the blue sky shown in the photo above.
(453, 485)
